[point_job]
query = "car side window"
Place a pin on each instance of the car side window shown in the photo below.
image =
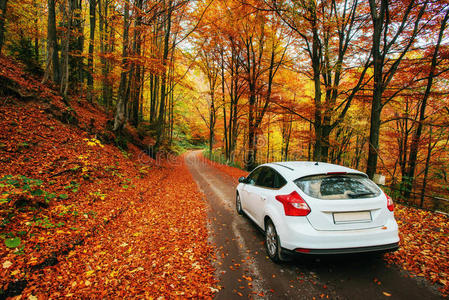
(279, 181)
(266, 178)
(270, 178)
(252, 178)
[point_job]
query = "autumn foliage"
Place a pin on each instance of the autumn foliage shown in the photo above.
(82, 218)
(424, 245)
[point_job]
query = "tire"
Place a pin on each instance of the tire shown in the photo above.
(272, 243)
(238, 204)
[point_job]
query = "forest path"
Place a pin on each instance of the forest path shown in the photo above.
(244, 270)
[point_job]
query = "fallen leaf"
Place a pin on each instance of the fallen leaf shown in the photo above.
(7, 264)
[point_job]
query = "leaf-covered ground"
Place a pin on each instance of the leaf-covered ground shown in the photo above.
(82, 218)
(424, 245)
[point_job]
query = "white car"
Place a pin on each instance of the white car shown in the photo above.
(317, 208)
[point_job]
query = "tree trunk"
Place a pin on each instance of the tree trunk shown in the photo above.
(161, 119)
(152, 98)
(211, 125)
(426, 169)
(65, 57)
(171, 99)
(316, 66)
(268, 140)
(250, 163)
(404, 142)
(36, 39)
(53, 42)
(373, 147)
(3, 4)
(103, 30)
(233, 109)
(376, 105)
(110, 49)
(137, 45)
(90, 58)
(74, 66)
(287, 142)
(78, 46)
(225, 126)
(287, 125)
(309, 148)
(120, 113)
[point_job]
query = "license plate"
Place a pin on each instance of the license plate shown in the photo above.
(352, 217)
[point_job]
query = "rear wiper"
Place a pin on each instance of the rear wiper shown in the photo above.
(360, 194)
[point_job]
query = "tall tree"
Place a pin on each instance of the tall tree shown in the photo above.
(210, 66)
(328, 32)
(388, 27)
(264, 54)
(236, 88)
(422, 111)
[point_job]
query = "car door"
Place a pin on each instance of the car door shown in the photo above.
(247, 190)
(268, 184)
(252, 189)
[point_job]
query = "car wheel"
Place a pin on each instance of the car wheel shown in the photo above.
(238, 204)
(272, 243)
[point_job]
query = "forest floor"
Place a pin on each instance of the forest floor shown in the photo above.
(85, 219)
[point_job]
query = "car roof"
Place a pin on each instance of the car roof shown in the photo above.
(296, 169)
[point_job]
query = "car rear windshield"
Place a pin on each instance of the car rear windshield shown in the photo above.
(335, 187)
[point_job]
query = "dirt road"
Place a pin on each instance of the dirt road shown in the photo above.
(244, 270)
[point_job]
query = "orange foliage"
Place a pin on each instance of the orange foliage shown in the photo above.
(424, 245)
(119, 224)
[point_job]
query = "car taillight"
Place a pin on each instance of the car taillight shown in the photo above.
(293, 204)
(390, 204)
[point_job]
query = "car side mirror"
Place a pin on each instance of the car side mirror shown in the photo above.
(242, 179)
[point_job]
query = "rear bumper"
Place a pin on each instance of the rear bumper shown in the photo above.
(302, 235)
(379, 248)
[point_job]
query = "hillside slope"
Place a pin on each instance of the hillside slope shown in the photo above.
(83, 218)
